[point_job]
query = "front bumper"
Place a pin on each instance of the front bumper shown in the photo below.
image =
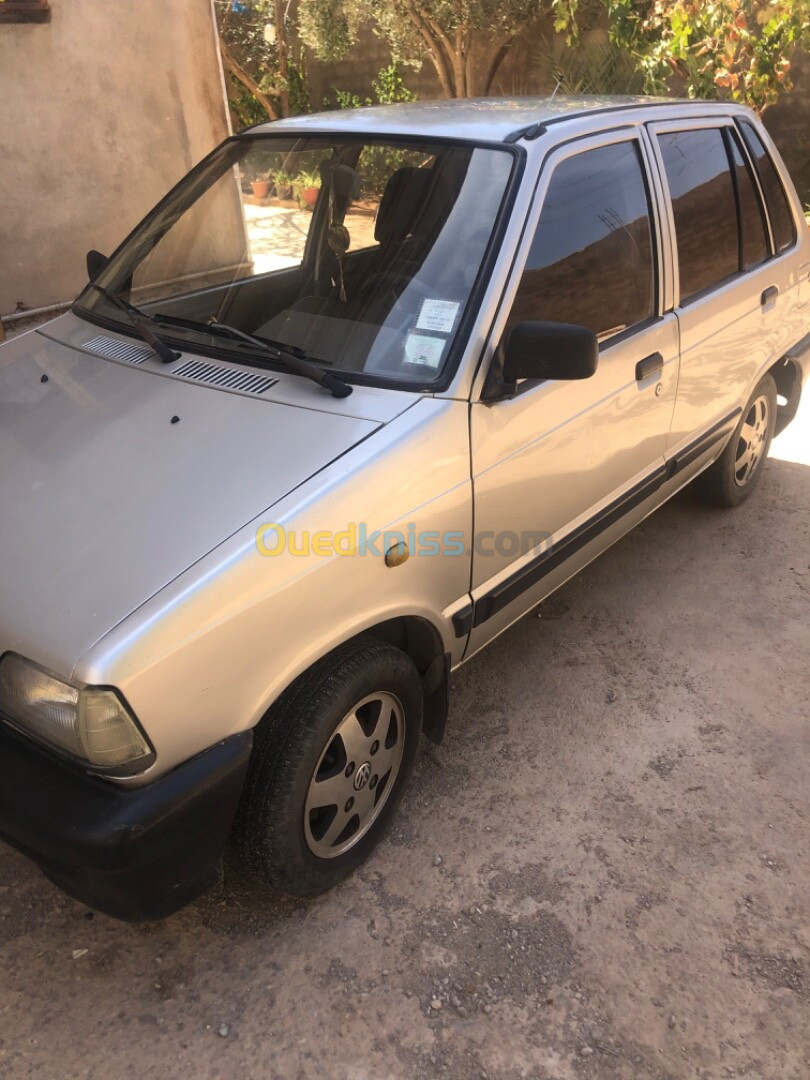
(135, 853)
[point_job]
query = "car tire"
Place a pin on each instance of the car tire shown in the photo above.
(735, 474)
(330, 763)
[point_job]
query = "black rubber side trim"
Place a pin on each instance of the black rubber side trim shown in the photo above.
(533, 572)
(549, 560)
(462, 621)
(694, 450)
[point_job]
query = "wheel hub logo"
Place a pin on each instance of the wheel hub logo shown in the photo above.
(362, 775)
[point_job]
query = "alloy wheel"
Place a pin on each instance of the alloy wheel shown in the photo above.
(355, 775)
(752, 441)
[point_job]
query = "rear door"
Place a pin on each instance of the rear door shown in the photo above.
(731, 289)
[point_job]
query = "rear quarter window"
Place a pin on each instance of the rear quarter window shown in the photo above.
(782, 223)
(753, 230)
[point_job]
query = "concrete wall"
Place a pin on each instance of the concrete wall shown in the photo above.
(103, 109)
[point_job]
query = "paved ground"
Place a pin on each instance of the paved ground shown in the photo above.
(277, 234)
(603, 873)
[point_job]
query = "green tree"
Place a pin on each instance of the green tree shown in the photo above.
(737, 49)
(255, 49)
(466, 40)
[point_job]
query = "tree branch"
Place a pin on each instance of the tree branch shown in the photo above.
(495, 63)
(238, 72)
(434, 46)
(458, 62)
(439, 33)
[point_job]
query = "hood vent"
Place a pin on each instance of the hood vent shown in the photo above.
(246, 381)
(195, 370)
(118, 350)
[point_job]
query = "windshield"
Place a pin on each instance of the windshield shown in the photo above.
(359, 254)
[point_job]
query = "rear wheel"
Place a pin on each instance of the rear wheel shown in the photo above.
(331, 762)
(735, 474)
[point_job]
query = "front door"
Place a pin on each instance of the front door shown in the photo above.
(559, 465)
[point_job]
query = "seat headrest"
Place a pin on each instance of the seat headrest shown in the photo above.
(415, 202)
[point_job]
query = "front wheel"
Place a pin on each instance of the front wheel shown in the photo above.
(330, 764)
(732, 478)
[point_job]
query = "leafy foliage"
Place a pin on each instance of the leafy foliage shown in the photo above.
(298, 89)
(737, 49)
(602, 68)
(244, 105)
(329, 26)
(388, 87)
(242, 24)
(466, 40)
(253, 37)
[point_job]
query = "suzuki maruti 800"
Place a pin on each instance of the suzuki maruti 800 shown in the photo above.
(363, 389)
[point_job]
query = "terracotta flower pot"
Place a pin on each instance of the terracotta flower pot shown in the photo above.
(260, 188)
(310, 195)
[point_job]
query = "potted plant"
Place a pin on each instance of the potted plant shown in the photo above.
(283, 184)
(307, 186)
(260, 185)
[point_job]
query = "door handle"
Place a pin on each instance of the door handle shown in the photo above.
(649, 366)
(769, 294)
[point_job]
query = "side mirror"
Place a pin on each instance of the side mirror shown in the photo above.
(95, 264)
(547, 350)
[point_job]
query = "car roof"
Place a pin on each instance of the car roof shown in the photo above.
(497, 119)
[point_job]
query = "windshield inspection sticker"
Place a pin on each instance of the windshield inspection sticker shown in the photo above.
(423, 349)
(439, 315)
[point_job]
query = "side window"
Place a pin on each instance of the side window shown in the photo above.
(592, 258)
(753, 233)
(782, 223)
(703, 206)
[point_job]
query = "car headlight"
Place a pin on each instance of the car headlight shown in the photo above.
(90, 723)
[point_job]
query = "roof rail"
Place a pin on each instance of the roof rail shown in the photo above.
(534, 131)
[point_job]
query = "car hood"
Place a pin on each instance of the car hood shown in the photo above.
(117, 476)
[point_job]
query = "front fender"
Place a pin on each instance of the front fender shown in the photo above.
(208, 655)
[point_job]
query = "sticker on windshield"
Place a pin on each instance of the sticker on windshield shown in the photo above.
(424, 350)
(439, 315)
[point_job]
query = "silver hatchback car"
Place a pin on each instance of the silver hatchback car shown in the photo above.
(362, 390)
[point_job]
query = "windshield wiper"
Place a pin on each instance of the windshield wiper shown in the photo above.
(293, 362)
(141, 322)
(226, 330)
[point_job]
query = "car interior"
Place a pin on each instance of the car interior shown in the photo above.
(346, 306)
